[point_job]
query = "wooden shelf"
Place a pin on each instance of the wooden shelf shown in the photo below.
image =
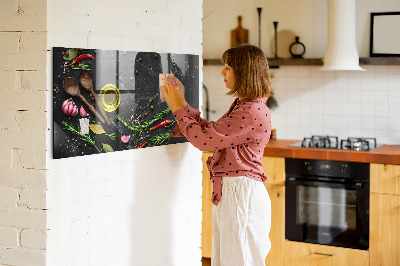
(380, 61)
(274, 63)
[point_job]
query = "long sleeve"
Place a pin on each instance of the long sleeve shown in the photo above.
(193, 113)
(231, 130)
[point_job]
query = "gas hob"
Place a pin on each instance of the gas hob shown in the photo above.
(332, 142)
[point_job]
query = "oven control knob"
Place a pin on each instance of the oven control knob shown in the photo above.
(308, 166)
(343, 168)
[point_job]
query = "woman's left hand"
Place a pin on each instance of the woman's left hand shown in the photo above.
(171, 95)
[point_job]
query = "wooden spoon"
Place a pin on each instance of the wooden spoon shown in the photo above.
(86, 80)
(71, 87)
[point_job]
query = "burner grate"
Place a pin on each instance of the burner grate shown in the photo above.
(358, 144)
(327, 142)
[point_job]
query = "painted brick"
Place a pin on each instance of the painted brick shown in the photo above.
(9, 42)
(23, 178)
(31, 80)
(33, 199)
(8, 6)
(98, 222)
(33, 159)
(24, 139)
(9, 237)
(13, 256)
(8, 197)
(33, 239)
(32, 53)
(5, 159)
(192, 23)
(32, 120)
(23, 218)
(34, 7)
(16, 158)
(23, 15)
(23, 100)
(7, 79)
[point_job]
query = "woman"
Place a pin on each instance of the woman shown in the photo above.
(242, 207)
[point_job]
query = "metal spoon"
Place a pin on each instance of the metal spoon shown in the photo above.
(71, 87)
(86, 80)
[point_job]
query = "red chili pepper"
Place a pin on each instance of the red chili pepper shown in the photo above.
(141, 146)
(163, 123)
(81, 57)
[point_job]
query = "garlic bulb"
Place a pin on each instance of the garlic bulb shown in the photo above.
(69, 108)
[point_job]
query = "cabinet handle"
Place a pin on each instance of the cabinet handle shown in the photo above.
(325, 254)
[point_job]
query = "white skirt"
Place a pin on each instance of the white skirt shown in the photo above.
(241, 223)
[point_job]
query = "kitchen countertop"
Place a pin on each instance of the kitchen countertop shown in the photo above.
(389, 154)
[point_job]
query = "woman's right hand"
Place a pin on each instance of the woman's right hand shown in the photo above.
(181, 90)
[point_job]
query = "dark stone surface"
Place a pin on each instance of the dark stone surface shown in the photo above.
(136, 75)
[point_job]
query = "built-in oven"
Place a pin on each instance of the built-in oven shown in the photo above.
(327, 202)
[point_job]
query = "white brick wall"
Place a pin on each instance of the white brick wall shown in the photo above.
(100, 217)
(139, 207)
(23, 127)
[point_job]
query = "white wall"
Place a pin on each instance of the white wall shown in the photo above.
(304, 18)
(311, 102)
(139, 207)
(23, 132)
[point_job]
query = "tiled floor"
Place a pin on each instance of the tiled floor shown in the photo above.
(206, 261)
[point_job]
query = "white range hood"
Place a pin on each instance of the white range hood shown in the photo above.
(341, 51)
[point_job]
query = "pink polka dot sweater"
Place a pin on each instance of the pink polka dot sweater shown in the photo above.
(238, 139)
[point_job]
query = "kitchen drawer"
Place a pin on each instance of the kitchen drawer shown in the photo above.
(305, 254)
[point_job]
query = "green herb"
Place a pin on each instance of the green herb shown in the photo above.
(72, 53)
(138, 128)
(160, 139)
(84, 67)
(84, 137)
(112, 136)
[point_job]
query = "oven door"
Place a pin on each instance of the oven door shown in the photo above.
(327, 213)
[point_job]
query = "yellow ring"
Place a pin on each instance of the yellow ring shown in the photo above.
(109, 106)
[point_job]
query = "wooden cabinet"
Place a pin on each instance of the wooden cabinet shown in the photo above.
(385, 178)
(305, 254)
(274, 168)
(385, 215)
(206, 226)
(277, 233)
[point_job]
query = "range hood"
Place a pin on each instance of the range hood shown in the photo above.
(341, 51)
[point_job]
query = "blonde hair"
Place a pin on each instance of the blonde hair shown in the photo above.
(250, 66)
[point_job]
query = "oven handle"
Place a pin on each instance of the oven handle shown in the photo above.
(357, 185)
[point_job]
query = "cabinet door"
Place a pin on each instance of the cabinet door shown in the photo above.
(274, 168)
(206, 232)
(277, 233)
(305, 254)
(384, 229)
(385, 178)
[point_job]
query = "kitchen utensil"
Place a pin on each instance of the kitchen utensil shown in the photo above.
(297, 49)
(239, 35)
(71, 87)
(276, 38)
(259, 9)
(86, 80)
